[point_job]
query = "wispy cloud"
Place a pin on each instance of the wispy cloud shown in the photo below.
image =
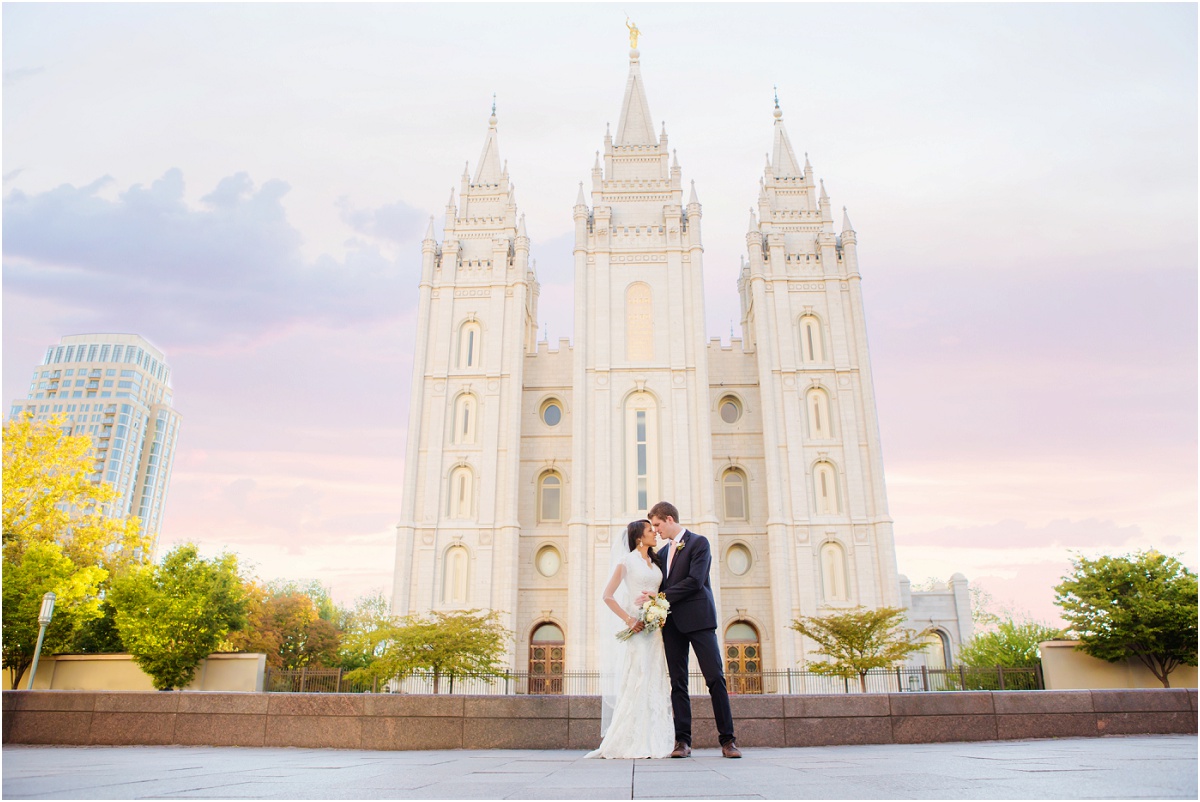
(228, 269)
(15, 76)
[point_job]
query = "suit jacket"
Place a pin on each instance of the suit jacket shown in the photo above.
(687, 587)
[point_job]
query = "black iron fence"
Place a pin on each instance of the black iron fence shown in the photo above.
(587, 683)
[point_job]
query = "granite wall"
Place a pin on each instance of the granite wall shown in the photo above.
(393, 721)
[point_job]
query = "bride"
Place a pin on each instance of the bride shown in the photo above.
(636, 719)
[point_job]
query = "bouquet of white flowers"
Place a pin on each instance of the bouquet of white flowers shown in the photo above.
(653, 614)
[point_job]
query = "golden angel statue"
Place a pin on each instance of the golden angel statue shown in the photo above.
(633, 33)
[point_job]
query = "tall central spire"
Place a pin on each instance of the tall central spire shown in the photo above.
(489, 171)
(784, 164)
(636, 126)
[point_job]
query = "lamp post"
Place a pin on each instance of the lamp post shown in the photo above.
(47, 612)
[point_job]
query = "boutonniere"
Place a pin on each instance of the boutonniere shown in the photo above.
(679, 548)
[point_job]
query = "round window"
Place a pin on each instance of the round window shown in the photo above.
(552, 413)
(731, 410)
(548, 561)
(738, 559)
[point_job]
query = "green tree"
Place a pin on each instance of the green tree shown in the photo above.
(365, 630)
(39, 568)
(172, 616)
(858, 640)
(1011, 644)
(447, 644)
(1140, 605)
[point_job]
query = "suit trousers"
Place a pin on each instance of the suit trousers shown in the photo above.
(708, 655)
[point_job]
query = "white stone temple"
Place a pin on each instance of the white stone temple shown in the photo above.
(524, 460)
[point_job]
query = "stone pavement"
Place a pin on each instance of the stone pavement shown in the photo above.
(1124, 767)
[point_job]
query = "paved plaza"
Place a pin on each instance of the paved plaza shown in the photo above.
(1130, 767)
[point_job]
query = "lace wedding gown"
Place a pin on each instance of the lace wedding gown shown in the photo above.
(642, 722)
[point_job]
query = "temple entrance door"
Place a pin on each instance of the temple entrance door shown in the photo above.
(743, 659)
(547, 650)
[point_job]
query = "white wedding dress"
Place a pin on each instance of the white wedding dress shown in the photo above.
(642, 722)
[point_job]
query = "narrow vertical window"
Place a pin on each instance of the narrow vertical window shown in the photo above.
(825, 480)
(811, 347)
(470, 337)
(461, 492)
(454, 577)
(819, 423)
(642, 459)
(734, 484)
(833, 572)
(550, 507)
(464, 419)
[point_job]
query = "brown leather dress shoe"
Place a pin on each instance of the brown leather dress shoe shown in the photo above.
(682, 750)
(730, 750)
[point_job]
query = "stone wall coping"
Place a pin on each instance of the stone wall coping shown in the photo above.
(452, 721)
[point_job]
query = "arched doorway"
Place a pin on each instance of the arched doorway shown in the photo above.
(546, 658)
(743, 658)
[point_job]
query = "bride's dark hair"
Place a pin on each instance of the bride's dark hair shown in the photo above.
(633, 533)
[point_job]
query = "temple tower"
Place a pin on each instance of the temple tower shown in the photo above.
(477, 319)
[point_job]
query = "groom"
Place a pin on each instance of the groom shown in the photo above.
(692, 622)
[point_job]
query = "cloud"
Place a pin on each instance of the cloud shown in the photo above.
(395, 222)
(1008, 535)
(15, 76)
(229, 269)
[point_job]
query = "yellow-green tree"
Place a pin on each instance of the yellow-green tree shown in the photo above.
(56, 537)
(49, 497)
(446, 644)
(858, 640)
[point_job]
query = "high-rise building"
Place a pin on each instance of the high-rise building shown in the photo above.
(116, 388)
(525, 460)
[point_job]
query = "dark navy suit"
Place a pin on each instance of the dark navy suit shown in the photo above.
(693, 622)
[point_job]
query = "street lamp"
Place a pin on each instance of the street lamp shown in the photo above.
(47, 612)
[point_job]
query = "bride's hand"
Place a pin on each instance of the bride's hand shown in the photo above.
(641, 598)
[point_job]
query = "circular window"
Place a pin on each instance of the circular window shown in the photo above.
(548, 561)
(551, 413)
(731, 410)
(738, 559)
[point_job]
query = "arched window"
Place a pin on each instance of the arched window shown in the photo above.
(833, 572)
(547, 659)
(812, 348)
(733, 482)
(825, 485)
(743, 658)
(937, 650)
(465, 414)
(639, 323)
(461, 492)
(454, 579)
(641, 461)
(550, 497)
(819, 424)
(470, 339)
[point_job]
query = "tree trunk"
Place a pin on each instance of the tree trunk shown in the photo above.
(436, 676)
(862, 679)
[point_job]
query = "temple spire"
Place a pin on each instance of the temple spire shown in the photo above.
(580, 200)
(636, 126)
(693, 197)
(489, 170)
(846, 221)
(784, 164)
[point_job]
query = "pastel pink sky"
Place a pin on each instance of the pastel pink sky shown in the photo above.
(246, 186)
